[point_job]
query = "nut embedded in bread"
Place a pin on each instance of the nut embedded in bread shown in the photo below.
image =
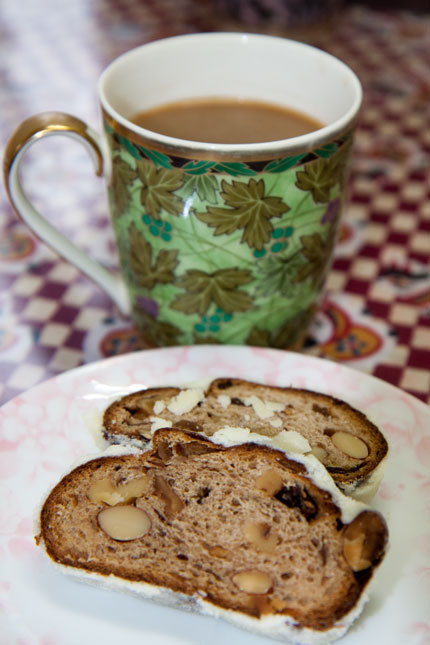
(243, 532)
(349, 445)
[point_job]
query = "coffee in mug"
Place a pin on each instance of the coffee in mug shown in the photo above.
(219, 120)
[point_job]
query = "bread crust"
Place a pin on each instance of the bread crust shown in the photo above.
(314, 415)
(198, 548)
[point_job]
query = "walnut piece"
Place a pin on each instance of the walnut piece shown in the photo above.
(364, 540)
(105, 491)
(172, 502)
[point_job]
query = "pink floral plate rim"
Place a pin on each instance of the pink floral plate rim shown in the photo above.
(44, 430)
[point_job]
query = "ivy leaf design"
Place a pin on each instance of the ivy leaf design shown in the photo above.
(318, 252)
(291, 334)
(339, 161)
(258, 337)
(250, 210)
(220, 287)
(318, 177)
(123, 176)
(148, 271)
(277, 275)
(314, 250)
(206, 187)
(158, 187)
(279, 165)
(205, 340)
(156, 333)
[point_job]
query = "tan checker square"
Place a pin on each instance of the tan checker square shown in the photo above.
(89, 317)
(403, 314)
(40, 309)
(27, 284)
(54, 334)
(63, 272)
(403, 222)
(77, 295)
(364, 268)
(372, 114)
(389, 128)
(416, 379)
(385, 202)
(415, 121)
(414, 191)
(421, 338)
(398, 356)
(375, 233)
(364, 186)
(25, 376)
(336, 280)
(357, 213)
(65, 359)
(398, 173)
(425, 209)
(393, 253)
(354, 301)
(420, 242)
(395, 105)
(379, 291)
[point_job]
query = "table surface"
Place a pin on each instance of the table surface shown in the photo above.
(375, 315)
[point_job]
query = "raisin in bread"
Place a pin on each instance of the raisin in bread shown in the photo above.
(348, 444)
(244, 532)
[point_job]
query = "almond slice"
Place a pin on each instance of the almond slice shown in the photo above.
(253, 581)
(124, 523)
(350, 445)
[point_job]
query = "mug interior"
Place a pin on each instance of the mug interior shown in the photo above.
(241, 66)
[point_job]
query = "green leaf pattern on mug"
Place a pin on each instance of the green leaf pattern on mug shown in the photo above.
(220, 287)
(123, 176)
(158, 189)
(225, 252)
(148, 271)
(319, 177)
(206, 187)
(249, 210)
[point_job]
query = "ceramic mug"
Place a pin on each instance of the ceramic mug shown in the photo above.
(217, 243)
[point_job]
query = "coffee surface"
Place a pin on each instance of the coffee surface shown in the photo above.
(226, 121)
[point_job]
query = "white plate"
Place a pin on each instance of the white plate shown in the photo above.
(45, 429)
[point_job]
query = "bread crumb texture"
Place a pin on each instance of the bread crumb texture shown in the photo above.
(244, 527)
(348, 444)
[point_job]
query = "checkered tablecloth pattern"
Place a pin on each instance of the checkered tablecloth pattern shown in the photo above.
(375, 315)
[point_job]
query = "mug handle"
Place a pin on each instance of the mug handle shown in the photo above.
(31, 130)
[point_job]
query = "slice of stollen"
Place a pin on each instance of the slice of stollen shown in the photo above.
(349, 445)
(244, 533)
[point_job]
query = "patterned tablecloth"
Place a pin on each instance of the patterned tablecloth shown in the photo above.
(375, 315)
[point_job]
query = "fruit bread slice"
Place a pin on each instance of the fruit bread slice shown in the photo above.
(349, 445)
(244, 533)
